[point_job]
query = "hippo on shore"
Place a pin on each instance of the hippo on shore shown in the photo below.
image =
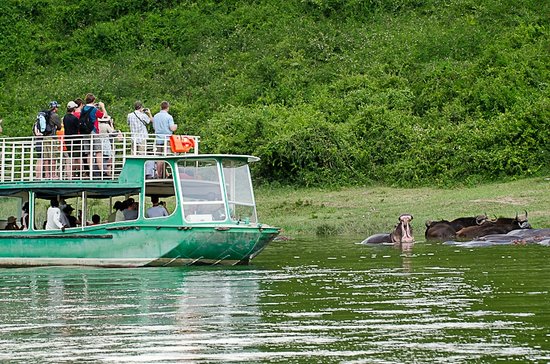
(401, 234)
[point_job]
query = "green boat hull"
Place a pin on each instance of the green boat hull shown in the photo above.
(135, 246)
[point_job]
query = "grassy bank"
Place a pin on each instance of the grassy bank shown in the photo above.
(363, 211)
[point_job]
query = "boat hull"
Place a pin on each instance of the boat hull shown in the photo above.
(135, 246)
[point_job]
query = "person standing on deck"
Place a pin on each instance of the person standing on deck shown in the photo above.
(79, 104)
(49, 155)
(164, 126)
(138, 121)
(95, 111)
(70, 124)
(53, 221)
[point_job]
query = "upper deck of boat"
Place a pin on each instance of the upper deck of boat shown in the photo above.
(62, 158)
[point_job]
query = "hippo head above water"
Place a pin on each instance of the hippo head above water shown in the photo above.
(402, 233)
(403, 230)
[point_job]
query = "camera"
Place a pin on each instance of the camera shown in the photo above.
(145, 110)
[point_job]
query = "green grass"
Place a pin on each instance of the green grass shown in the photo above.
(391, 92)
(361, 211)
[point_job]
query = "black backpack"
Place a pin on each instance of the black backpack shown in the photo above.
(43, 126)
(84, 122)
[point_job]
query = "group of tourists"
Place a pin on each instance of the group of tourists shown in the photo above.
(128, 210)
(124, 210)
(87, 131)
(59, 214)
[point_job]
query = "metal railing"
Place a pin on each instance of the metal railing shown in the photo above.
(80, 157)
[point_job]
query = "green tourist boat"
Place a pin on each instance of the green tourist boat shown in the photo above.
(208, 198)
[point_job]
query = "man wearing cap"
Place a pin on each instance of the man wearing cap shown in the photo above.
(54, 117)
(66, 218)
(49, 145)
(72, 139)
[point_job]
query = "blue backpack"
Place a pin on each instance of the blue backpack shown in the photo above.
(43, 126)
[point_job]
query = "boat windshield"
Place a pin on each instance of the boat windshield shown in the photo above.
(239, 190)
(203, 197)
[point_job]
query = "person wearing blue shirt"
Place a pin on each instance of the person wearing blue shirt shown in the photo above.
(164, 126)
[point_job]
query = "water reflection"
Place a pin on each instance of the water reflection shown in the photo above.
(301, 301)
(51, 313)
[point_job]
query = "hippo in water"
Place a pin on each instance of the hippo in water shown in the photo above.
(401, 234)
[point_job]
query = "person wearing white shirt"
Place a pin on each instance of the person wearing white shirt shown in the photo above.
(138, 121)
(53, 222)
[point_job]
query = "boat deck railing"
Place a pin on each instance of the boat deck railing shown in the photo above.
(80, 157)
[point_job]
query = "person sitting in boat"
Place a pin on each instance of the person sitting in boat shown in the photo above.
(53, 221)
(156, 210)
(117, 215)
(69, 220)
(96, 219)
(25, 216)
(131, 212)
(12, 223)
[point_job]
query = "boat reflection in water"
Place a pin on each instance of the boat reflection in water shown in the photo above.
(124, 315)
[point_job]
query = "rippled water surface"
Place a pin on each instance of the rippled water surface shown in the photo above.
(310, 301)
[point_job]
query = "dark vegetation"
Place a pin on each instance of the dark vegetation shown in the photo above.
(326, 92)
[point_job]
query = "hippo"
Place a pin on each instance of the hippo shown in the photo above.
(401, 234)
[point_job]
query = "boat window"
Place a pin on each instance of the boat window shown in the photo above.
(114, 209)
(70, 207)
(159, 190)
(239, 190)
(201, 191)
(12, 210)
(99, 209)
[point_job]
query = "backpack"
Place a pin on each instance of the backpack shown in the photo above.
(84, 122)
(43, 126)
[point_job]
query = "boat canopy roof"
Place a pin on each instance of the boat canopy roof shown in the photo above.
(50, 192)
(241, 157)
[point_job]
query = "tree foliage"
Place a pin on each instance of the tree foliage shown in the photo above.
(325, 92)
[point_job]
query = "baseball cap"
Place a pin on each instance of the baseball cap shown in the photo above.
(53, 104)
(71, 105)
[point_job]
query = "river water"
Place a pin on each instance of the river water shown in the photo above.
(301, 301)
